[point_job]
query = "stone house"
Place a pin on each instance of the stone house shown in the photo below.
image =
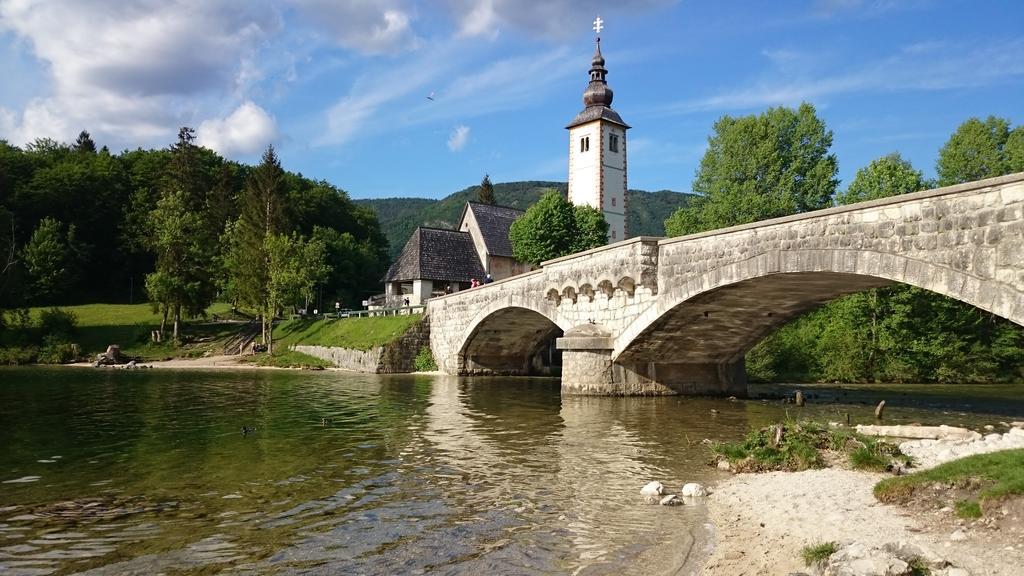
(436, 260)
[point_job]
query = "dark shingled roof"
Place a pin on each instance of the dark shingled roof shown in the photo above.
(436, 254)
(494, 222)
(591, 113)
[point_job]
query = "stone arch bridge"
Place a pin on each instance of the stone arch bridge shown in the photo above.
(650, 316)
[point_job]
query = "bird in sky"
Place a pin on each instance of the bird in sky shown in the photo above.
(430, 97)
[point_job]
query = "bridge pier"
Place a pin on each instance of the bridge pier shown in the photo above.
(588, 370)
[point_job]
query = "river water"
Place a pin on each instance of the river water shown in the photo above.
(286, 472)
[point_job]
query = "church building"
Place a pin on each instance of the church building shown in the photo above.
(438, 261)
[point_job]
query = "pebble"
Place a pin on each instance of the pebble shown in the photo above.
(958, 536)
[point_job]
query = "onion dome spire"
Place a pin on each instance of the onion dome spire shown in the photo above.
(598, 93)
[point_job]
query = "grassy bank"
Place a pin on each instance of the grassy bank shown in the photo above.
(355, 333)
(976, 482)
(96, 326)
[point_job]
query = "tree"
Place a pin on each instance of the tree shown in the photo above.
(84, 143)
(591, 228)
(981, 149)
(544, 231)
(262, 215)
(296, 268)
(486, 192)
(759, 167)
(51, 259)
(553, 227)
(183, 280)
(889, 175)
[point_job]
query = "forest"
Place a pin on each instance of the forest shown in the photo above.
(179, 227)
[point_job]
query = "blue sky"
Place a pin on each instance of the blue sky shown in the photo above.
(340, 87)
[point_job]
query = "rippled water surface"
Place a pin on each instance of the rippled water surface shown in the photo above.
(264, 472)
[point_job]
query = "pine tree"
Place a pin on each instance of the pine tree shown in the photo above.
(486, 193)
(262, 216)
(84, 143)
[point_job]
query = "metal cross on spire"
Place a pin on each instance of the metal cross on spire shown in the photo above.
(598, 25)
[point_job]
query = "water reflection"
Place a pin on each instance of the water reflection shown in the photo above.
(140, 473)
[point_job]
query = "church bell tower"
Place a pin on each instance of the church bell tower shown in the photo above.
(597, 151)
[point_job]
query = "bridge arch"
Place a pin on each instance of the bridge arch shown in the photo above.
(714, 318)
(510, 337)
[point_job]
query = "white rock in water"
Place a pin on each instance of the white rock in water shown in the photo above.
(692, 489)
(653, 488)
(670, 500)
(652, 492)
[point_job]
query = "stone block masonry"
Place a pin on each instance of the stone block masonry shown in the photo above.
(677, 315)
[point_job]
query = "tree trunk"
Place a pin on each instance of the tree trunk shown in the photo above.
(163, 320)
(177, 320)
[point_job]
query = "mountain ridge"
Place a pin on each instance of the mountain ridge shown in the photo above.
(646, 212)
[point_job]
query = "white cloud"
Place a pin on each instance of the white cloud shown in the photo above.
(368, 26)
(458, 138)
(245, 131)
(131, 72)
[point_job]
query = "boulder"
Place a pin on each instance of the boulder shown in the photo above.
(693, 490)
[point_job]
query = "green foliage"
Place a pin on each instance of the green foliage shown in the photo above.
(547, 230)
(818, 553)
(109, 202)
(796, 446)
(759, 167)
(990, 477)
(51, 259)
(486, 193)
(981, 149)
(887, 176)
(591, 229)
(58, 323)
(424, 361)
(968, 509)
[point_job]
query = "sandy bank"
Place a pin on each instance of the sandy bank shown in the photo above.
(762, 521)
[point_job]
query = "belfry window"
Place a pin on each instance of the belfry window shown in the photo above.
(613, 200)
(613, 142)
(585, 144)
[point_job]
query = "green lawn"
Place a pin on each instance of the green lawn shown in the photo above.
(356, 333)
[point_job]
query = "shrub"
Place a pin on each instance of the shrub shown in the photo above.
(57, 351)
(424, 361)
(15, 355)
(58, 323)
